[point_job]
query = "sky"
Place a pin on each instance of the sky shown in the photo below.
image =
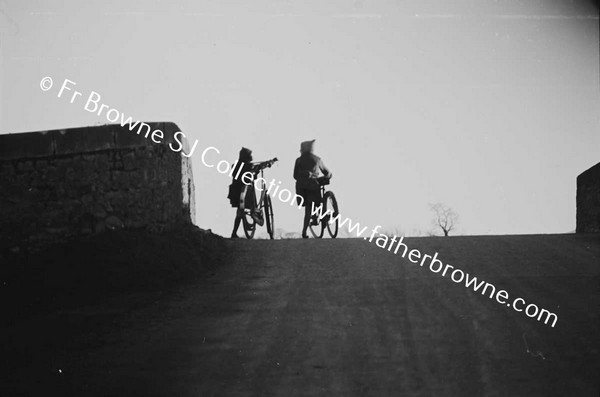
(490, 107)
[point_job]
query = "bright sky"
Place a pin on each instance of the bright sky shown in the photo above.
(489, 107)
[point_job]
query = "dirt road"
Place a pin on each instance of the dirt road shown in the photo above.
(334, 318)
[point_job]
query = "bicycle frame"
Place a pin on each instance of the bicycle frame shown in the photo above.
(258, 203)
(257, 210)
(326, 222)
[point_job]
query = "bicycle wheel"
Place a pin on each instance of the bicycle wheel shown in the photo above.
(333, 221)
(269, 215)
(249, 225)
(319, 229)
(247, 206)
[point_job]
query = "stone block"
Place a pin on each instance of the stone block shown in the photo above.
(27, 145)
(588, 201)
(125, 138)
(83, 140)
(61, 183)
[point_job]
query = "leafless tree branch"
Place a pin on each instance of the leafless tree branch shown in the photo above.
(444, 217)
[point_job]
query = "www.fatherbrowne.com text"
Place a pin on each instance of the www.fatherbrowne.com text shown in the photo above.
(396, 244)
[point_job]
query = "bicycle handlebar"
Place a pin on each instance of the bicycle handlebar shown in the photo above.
(265, 164)
(323, 180)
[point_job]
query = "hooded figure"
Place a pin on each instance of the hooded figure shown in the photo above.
(307, 146)
(235, 189)
(307, 169)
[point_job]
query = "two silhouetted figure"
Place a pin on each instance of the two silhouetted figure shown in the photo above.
(307, 169)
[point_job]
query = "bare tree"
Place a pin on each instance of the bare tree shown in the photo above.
(444, 217)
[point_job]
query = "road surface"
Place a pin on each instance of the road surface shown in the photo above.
(333, 318)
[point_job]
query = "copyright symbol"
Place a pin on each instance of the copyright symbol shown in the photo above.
(46, 83)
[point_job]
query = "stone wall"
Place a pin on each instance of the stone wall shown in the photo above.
(62, 183)
(588, 201)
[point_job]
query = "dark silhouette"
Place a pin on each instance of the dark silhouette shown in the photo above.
(588, 201)
(444, 217)
(307, 169)
(235, 189)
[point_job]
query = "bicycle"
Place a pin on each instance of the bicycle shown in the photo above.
(330, 208)
(253, 209)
